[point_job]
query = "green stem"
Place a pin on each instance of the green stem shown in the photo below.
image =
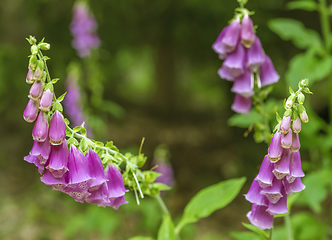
(288, 227)
(162, 204)
(271, 231)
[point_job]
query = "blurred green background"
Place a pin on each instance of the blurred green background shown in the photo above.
(157, 63)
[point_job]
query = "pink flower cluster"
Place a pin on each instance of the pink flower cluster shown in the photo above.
(279, 175)
(244, 58)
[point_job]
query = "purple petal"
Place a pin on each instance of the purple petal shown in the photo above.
(275, 149)
(247, 31)
(259, 217)
(232, 35)
(41, 150)
(235, 61)
(295, 167)
(295, 142)
(282, 166)
(96, 169)
(115, 183)
(286, 139)
(58, 160)
(281, 206)
(273, 193)
(241, 104)
(254, 195)
(40, 130)
(31, 111)
(57, 131)
(243, 84)
(217, 46)
(117, 202)
(267, 73)
(265, 175)
(255, 56)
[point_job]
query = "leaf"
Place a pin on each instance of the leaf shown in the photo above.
(55, 80)
(258, 231)
(290, 29)
(60, 99)
(166, 230)
(305, 65)
(210, 199)
(246, 236)
(244, 120)
(141, 238)
(303, 5)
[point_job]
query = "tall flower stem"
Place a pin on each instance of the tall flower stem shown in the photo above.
(288, 227)
(162, 204)
(270, 236)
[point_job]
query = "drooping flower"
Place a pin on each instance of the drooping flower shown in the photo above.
(31, 111)
(296, 125)
(275, 149)
(40, 130)
(57, 130)
(255, 56)
(58, 160)
(267, 74)
(259, 217)
(46, 101)
(231, 37)
(41, 150)
(285, 124)
(36, 90)
(241, 104)
(248, 35)
(96, 170)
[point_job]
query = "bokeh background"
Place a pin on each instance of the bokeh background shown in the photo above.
(156, 62)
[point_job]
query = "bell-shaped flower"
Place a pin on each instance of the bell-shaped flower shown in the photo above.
(36, 90)
(295, 142)
(280, 207)
(99, 196)
(46, 101)
(57, 130)
(295, 168)
(231, 37)
(96, 170)
(285, 124)
(58, 160)
(117, 202)
(295, 186)
(31, 111)
(35, 160)
(273, 193)
(265, 175)
(282, 166)
(267, 73)
(275, 149)
(254, 195)
(259, 217)
(287, 139)
(255, 56)
(41, 150)
(58, 184)
(241, 104)
(29, 79)
(218, 47)
(115, 183)
(297, 125)
(243, 84)
(234, 62)
(248, 35)
(40, 130)
(224, 73)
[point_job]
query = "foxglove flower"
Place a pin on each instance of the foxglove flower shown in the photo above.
(295, 167)
(165, 168)
(57, 130)
(275, 149)
(31, 111)
(99, 196)
(117, 202)
(40, 130)
(265, 175)
(234, 63)
(279, 207)
(295, 142)
(57, 184)
(259, 217)
(285, 124)
(241, 104)
(248, 35)
(231, 37)
(243, 84)
(255, 56)
(296, 186)
(58, 160)
(115, 183)
(29, 78)
(273, 193)
(218, 47)
(46, 101)
(267, 73)
(96, 169)
(254, 195)
(286, 139)
(41, 150)
(282, 166)
(36, 90)
(35, 160)
(297, 125)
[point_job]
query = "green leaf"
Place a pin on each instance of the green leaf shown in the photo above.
(246, 236)
(258, 231)
(141, 238)
(290, 29)
(210, 199)
(57, 106)
(303, 5)
(244, 120)
(60, 99)
(308, 66)
(55, 80)
(67, 121)
(77, 129)
(166, 230)
(99, 144)
(46, 58)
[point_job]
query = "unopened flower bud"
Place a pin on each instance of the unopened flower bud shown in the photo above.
(29, 78)
(40, 130)
(290, 101)
(275, 149)
(286, 139)
(57, 130)
(285, 124)
(297, 125)
(295, 143)
(36, 90)
(33, 62)
(44, 46)
(40, 70)
(247, 31)
(34, 49)
(31, 111)
(46, 101)
(300, 98)
(303, 113)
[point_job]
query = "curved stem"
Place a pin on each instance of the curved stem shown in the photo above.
(162, 204)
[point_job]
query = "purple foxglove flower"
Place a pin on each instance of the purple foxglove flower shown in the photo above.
(29, 78)
(255, 56)
(231, 36)
(280, 207)
(36, 90)
(79, 179)
(117, 202)
(58, 160)
(41, 150)
(295, 186)
(254, 195)
(295, 142)
(297, 125)
(96, 170)
(273, 193)
(282, 166)
(235, 61)
(285, 124)
(40, 130)
(35, 160)
(243, 84)
(267, 73)
(99, 196)
(259, 217)
(286, 139)
(295, 167)
(224, 73)
(39, 72)
(115, 183)
(31, 111)
(265, 175)
(57, 184)
(165, 168)
(241, 104)
(248, 35)
(275, 149)
(57, 132)
(304, 116)
(218, 47)
(46, 101)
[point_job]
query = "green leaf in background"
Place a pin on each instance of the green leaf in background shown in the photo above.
(210, 199)
(305, 65)
(290, 29)
(141, 238)
(246, 236)
(259, 232)
(166, 230)
(244, 120)
(303, 5)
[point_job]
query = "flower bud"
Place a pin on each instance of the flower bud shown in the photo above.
(303, 113)
(33, 62)
(46, 101)
(44, 46)
(40, 130)
(36, 90)
(40, 70)
(290, 101)
(297, 125)
(300, 98)
(57, 131)
(275, 149)
(247, 31)
(29, 78)
(285, 124)
(31, 111)
(34, 49)
(286, 139)
(295, 143)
